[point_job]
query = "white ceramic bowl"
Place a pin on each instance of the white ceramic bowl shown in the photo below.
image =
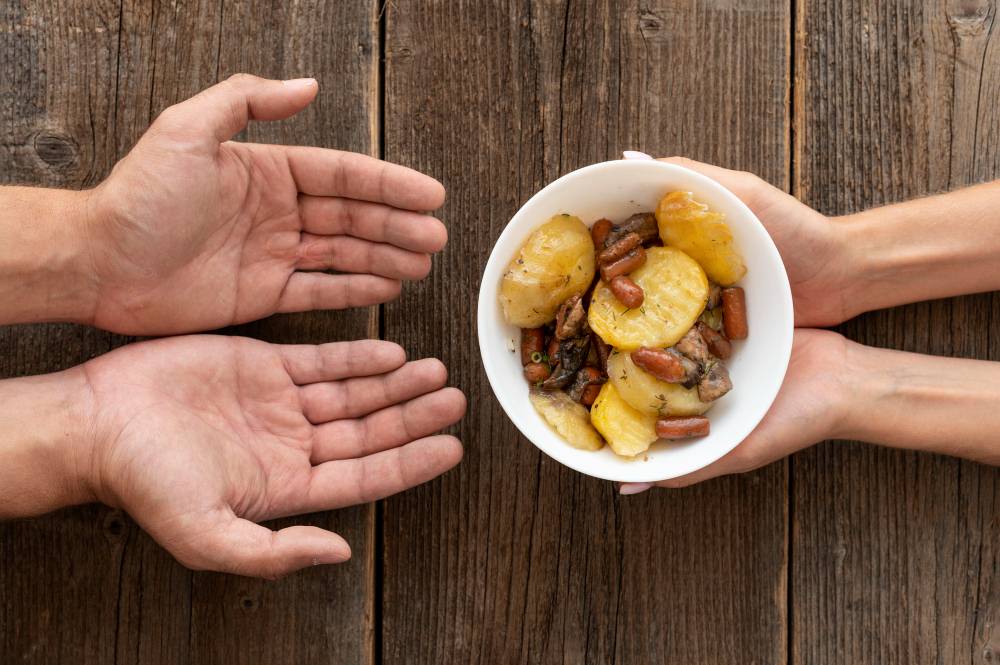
(616, 190)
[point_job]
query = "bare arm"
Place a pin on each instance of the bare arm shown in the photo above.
(43, 263)
(928, 248)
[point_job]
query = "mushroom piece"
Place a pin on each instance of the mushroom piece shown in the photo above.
(571, 318)
(572, 355)
(715, 383)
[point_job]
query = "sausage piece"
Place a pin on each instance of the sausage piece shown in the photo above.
(666, 365)
(682, 427)
(535, 372)
(619, 249)
(628, 292)
(631, 261)
(734, 313)
(599, 233)
(532, 341)
(717, 343)
(590, 394)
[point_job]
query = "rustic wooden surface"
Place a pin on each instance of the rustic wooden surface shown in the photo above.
(846, 553)
(896, 556)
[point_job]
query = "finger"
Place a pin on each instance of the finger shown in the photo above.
(347, 254)
(325, 215)
(388, 428)
(223, 110)
(323, 172)
(745, 185)
(309, 363)
(241, 547)
(322, 402)
(350, 482)
(307, 291)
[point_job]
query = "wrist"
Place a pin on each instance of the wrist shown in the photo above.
(45, 268)
(47, 445)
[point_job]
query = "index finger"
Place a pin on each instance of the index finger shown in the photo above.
(325, 172)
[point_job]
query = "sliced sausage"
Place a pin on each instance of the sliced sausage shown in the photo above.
(619, 249)
(628, 292)
(599, 232)
(666, 365)
(631, 261)
(734, 313)
(532, 342)
(535, 372)
(682, 427)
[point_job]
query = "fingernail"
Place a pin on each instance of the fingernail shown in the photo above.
(633, 488)
(300, 84)
(635, 154)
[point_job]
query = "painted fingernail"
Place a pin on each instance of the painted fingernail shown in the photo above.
(300, 84)
(635, 154)
(633, 488)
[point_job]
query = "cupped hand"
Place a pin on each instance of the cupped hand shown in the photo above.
(199, 438)
(811, 245)
(193, 231)
(810, 407)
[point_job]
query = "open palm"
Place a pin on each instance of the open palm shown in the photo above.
(193, 231)
(201, 437)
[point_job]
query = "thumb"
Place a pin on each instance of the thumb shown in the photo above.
(225, 109)
(242, 547)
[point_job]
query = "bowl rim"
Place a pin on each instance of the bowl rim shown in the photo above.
(565, 454)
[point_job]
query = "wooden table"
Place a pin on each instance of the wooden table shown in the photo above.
(845, 553)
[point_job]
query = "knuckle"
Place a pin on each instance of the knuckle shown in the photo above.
(241, 78)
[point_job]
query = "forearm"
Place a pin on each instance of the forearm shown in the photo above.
(928, 248)
(929, 403)
(44, 266)
(45, 429)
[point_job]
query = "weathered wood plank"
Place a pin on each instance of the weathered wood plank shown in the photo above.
(513, 558)
(895, 556)
(127, 598)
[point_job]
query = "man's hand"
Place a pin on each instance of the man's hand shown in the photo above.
(199, 438)
(192, 231)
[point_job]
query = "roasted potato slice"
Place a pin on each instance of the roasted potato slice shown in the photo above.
(556, 262)
(628, 431)
(645, 393)
(676, 290)
(570, 419)
(703, 234)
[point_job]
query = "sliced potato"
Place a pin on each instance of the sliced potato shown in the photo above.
(645, 393)
(676, 290)
(556, 262)
(703, 234)
(570, 419)
(628, 431)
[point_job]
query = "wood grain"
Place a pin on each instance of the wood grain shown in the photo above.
(895, 556)
(87, 80)
(513, 558)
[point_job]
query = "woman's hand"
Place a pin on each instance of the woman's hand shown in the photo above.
(811, 406)
(199, 438)
(192, 231)
(813, 247)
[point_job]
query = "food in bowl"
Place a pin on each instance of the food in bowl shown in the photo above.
(624, 326)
